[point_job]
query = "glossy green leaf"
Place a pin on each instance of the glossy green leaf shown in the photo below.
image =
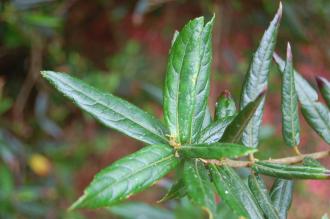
(324, 87)
(234, 131)
(289, 104)
(110, 110)
(257, 79)
(259, 190)
(225, 106)
(187, 80)
(214, 131)
(198, 186)
(133, 210)
(128, 176)
(177, 190)
(234, 192)
(315, 113)
(214, 150)
(290, 171)
(281, 196)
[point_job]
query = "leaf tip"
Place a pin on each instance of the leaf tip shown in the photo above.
(276, 57)
(226, 94)
(320, 81)
(278, 15)
(263, 92)
(289, 52)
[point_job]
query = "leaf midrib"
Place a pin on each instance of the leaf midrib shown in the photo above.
(129, 176)
(104, 105)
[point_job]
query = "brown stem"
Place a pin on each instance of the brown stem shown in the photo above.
(285, 160)
(30, 80)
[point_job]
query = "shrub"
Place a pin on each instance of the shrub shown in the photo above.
(204, 149)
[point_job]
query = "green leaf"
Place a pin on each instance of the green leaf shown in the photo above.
(290, 116)
(234, 192)
(128, 176)
(187, 210)
(177, 190)
(207, 118)
(234, 131)
(133, 210)
(311, 162)
(290, 171)
(225, 106)
(257, 79)
(187, 81)
(324, 87)
(259, 190)
(214, 131)
(110, 110)
(281, 196)
(214, 150)
(198, 186)
(315, 113)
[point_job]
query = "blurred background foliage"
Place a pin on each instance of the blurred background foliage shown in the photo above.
(49, 149)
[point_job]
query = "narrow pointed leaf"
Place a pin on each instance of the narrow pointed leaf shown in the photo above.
(133, 210)
(315, 113)
(234, 192)
(225, 106)
(234, 131)
(128, 176)
(324, 87)
(198, 186)
(259, 190)
(187, 80)
(281, 196)
(214, 131)
(177, 190)
(214, 150)
(290, 171)
(109, 110)
(290, 117)
(257, 79)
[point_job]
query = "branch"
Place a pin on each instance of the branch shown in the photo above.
(286, 160)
